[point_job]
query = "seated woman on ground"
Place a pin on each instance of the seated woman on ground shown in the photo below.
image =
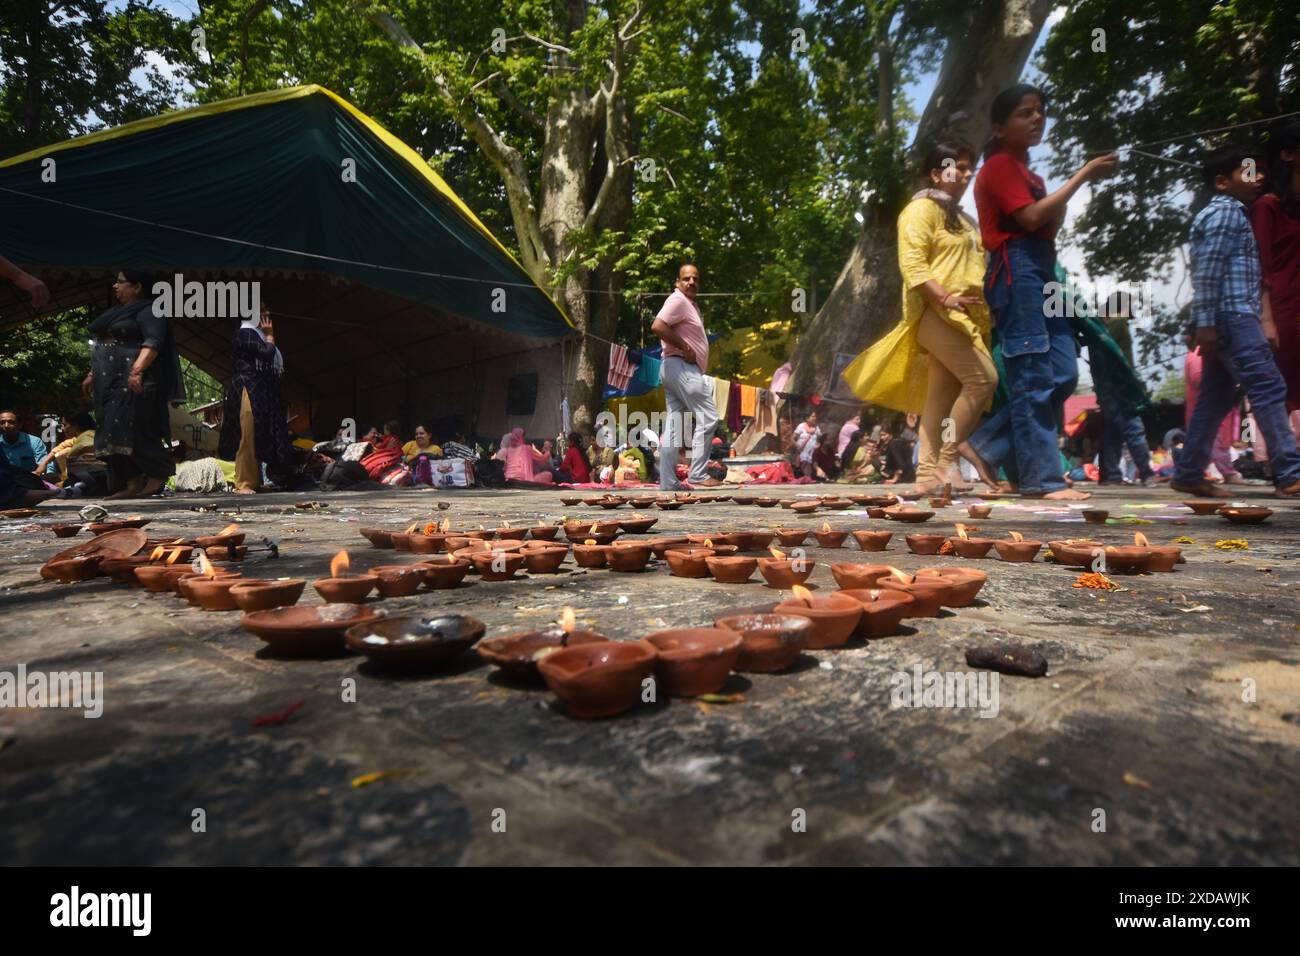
(631, 468)
(575, 466)
(421, 444)
(524, 462)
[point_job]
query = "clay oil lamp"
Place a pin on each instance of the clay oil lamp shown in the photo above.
(610, 503)
(544, 560)
(908, 514)
(835, 617)
(792, 537)
(253, 595)
(628, 557)
(122, 570)
(599, 679)
(570, 502)
(929, 593)
(688, 562)
(414, 642)
(428, 540)
(638, 524)
(969, 547)
(739, 539)
(589, 554)
(743, 500)
(1017, 550)
(717, 543)
(730, 569)
(602, 532)
(837, 504)
(153, 577)
(762, 540)
(788, 503)
(645, 501)
(227, 552)
(849, 576)
(464, 547)
(591, 502)
(828, 538)
(446, 572)
(1074, 552)
(1245, 515)
(660, 545)
(769, 642)
(398, 580)
(784, 573)
(210, 588)
(882, 610)
(66, 530)
(543, 532)
(925, 543)
(940, 502)
(517, 654)
(805, 507)
(306, 630)
(667, 504)
(103, 527)
(483, 534)
(966, 584)
(475, 546)
(497, 564)
(1095, 515)
(83, 567)
(980, 511)
(876, 512)
(694, 661)
(508, 532)
(342, 587)
(1163, 558)
(1206, 506)
(1129, 557)
(767, 502)
(872, 540)
(227, 537)
(378, 538)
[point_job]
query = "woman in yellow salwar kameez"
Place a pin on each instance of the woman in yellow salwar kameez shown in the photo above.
(937, 360)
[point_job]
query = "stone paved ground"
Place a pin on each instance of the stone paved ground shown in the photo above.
(1141, 716)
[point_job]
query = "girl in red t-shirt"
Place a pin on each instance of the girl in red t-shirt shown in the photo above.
(1276, 219)
(1018, 222)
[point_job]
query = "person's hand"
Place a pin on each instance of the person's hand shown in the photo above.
(35, 288)
(1269, 329)
(1100, 167)
(87, 384)
(1207, 340)
(268, 327)
(688, 352)
(135, 381)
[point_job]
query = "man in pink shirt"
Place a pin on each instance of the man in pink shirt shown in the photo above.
(686, 359)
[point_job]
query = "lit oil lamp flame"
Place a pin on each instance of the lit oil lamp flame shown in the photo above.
(1016, 536)
(708, 542)
(171, 558)
(801, 593)
(592, 529)
(339, 565)
(901, 575)
(412, 528)
(157, 553)
(179, 541)
(228, 530)
(961, 531)
(505, 524)
(446, 525)
(777, 553)
(205, 566)
(451, 558)
(481, 528)
(568, 621)
(826, 527)
(590, 541)
(1140, 540)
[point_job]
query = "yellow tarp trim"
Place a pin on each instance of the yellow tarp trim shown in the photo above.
(279, 96)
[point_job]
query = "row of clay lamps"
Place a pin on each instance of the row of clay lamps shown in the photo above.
(595, 677)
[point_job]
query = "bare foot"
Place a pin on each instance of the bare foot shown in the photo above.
(979, 464)
(245, 491)
(131, 489)
(150, 488)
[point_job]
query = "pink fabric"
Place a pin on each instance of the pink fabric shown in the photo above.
(520, 457)
(780, 377)
(684, 317)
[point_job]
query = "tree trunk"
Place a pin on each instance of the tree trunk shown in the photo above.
(984, 55)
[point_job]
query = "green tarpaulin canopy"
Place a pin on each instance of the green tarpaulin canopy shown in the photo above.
(391, 298)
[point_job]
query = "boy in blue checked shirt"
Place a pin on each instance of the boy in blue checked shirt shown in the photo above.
(1236, 342)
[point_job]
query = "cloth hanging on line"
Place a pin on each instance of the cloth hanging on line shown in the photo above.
(734, 424)
(564, 416)
(764, 423)
(748, 401)
(621, 369)
(721, 393)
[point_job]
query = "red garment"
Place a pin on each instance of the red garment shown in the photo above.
(1277, 233)
(575, 463)
(1003, 186)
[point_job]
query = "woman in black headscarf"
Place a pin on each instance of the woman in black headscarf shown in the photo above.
(135, 372)
(253, 424)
